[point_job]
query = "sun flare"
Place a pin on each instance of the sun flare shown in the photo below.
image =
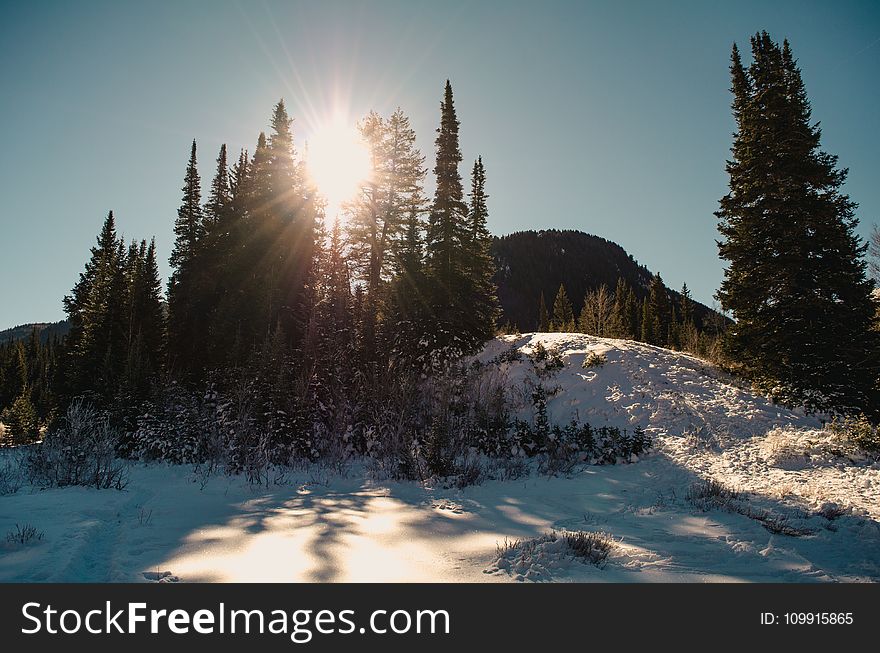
(338, 161)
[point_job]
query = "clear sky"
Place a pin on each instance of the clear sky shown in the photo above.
(610, 117)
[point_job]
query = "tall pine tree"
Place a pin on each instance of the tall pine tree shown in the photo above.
(795, 281)
(482, 299)
(446, 236)
(563, 313)
(96, 344)
(543, 315)
(186, 324)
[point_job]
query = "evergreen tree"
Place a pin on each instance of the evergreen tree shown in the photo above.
(563, 313)
(795, 282)
(385, 225)
(646, 322)
(543, 316)
(96, 342)
(186, 305)
(221, 194)
(230, 333)
(190, 225)
(446, 235)
(145, 320)
(291, 219)
(482, 299)
(331, 338)
(688, 337)
(687, 305)
(632, 315)
(659, 313)
(28, 385)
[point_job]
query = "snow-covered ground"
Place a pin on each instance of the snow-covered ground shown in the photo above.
(318, 526)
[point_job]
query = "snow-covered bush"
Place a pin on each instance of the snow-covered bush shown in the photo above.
(168, 430)
(81, 451)
(538, 558)
(546, 361)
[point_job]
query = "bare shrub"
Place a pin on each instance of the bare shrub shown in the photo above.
(82, 451)
(592, 547)
(23, 535)
(11, 476)
(710, 494)
(831, 511)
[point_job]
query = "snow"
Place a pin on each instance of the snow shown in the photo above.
(171, 524)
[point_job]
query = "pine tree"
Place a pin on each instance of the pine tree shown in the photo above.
(543, 316)
(687, 334)
(221, 194)
(647, 322)
(145, 320)
(446, 235)
(482, 299)
(563, 313)
(631, 312)
(293, 222)
(795, 282)
(617, 321)
(659, 313)
(331, 334)
(190, 225)
(186, 306)
(386, 217)
(96, 306)
(230, 270)
(687, 305)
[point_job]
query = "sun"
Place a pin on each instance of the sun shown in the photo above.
(338, 162)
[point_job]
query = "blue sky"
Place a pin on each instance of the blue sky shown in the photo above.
(609, 117)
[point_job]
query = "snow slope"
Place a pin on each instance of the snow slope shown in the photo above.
(318, 526)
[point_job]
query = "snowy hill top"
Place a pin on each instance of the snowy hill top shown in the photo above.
(625, 383)
(703, 419)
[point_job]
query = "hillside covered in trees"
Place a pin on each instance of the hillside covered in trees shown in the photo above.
(529, 263)
(46, 330)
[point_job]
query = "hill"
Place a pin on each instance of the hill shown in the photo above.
(532, 262)
(47, 330)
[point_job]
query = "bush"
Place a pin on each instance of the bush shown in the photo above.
(81, 451)
(23, 535)
(709, 494)
(562, 447)
(594, 359)
(859, 433)
(590, 547)
(10, 473)
(546, 361)
(535, 558)
(509, 355)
